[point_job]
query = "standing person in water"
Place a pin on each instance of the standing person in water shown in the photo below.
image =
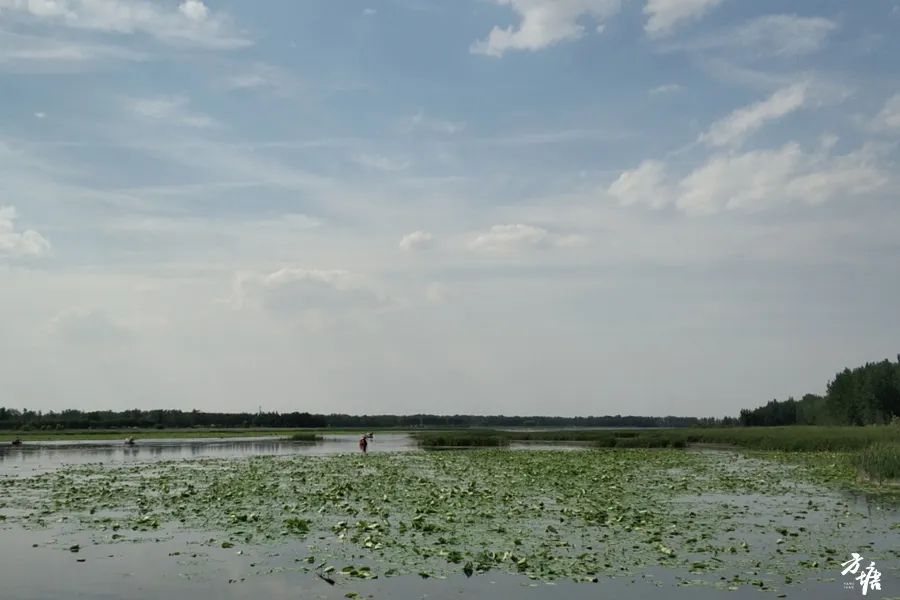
(363, 444)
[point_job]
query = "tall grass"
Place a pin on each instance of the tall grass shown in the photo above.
(305, 436)
(880, 461)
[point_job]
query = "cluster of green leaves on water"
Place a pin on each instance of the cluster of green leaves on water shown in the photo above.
(543, 514)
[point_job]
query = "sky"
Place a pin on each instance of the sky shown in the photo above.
(556, 207)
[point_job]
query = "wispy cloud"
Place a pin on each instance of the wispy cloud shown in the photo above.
(768, 36)
(190, 23)
(25, 53)
(265, 77)
(668, 88)
(744, 121)
(424, 123)
(554, 136)
(380, 162)
(516, 238)
(665, 15)
(171, 110)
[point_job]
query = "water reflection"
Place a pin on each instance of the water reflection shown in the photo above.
(38, 457)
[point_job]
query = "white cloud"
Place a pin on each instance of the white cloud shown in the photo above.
(191, 23)
(756, 180)
(645, 185)
(668, 88)
(665, 15)
(194, 10)
(889, 117)
(511, 239)
(742, 122)
(543, 23)
(750, 180)
(28, 243)
(46, 8)
(170, 109)
(417, 240)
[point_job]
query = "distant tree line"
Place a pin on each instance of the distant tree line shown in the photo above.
(423, 420)
(866, 395)
(164, 419)
(11, 418)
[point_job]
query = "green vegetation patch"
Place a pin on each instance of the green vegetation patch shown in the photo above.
(462, 439)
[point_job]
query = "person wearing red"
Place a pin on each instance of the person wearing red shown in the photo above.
(363, 444)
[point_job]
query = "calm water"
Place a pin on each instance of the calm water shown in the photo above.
(36, 564)
(38, 457)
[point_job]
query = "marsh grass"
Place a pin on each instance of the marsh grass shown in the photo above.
(305, 436)
(462, 439)
(880, 462)
(787, 439)
(784, 439)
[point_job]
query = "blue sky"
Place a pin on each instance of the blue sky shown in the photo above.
(486, 206)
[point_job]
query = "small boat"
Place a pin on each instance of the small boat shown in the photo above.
(370, 436)
(129, 441)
